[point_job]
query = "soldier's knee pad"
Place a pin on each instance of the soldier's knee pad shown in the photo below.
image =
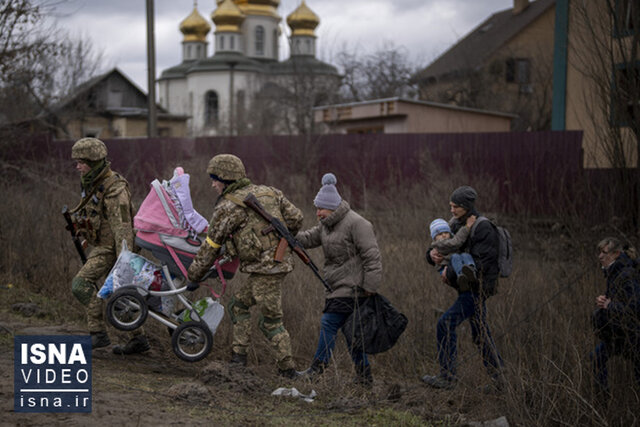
(271, 326)
(82, 289)
(237, 310)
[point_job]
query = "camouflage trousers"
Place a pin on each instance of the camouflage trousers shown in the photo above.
(84, 287)
(264, 291)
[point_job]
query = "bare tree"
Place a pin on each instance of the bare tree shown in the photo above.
(284, 101)
(22, 42)
(40, 65)
(384, 73)
(606, 50)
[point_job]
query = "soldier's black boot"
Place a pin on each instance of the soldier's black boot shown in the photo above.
(99, 339)
(238, 359)
(137, 344)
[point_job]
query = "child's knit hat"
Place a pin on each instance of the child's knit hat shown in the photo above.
(328, 196)
(438, 226)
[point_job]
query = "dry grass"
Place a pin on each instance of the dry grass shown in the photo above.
(540, 318)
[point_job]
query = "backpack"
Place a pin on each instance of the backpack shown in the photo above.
(505, 248)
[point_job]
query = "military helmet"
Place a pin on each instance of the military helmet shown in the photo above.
(88, 149)
(227, 167)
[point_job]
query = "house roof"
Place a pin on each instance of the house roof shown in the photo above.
(87, 86)
(419, 102)
(222, 61)
(473, 50)
(306, 64)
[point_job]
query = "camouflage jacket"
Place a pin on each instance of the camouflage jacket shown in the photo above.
(238, 228)
(105, 214)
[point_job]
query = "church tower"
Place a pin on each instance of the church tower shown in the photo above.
(303, 22)
(195, 29)
(260, 28)
(228, 18)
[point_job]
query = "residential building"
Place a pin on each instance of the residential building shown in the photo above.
(597, 79)
(504, 64)
(398, 115)
(107, 106)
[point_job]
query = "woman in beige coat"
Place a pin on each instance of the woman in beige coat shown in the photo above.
(352, 268)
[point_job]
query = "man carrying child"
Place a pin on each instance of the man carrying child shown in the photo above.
(457, 269)
(482, 244)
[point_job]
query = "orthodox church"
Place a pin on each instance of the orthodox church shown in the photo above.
(244, 87)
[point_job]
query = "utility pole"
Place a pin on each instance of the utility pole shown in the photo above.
(232, 65)
(152, 126)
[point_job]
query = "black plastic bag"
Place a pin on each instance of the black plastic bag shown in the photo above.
(374, 326)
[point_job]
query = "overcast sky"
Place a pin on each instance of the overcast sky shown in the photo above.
(426, 28)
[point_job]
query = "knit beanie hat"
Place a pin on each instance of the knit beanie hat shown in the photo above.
(328, 197)
(438, 226)
(464, 196)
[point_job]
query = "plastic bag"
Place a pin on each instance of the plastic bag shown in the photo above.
(374, 326)
(131, 270)
(209, 310)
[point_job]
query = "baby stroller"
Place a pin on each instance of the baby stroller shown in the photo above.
(167, 225)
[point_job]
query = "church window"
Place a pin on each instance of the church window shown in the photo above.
(308, 43)
(199, 51)
(221, 42)
(189, 52)
(275, 44)
(259, 32)
(211, 108)
(232, 42)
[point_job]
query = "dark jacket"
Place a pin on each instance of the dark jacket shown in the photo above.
(483, 245)
(623, 289)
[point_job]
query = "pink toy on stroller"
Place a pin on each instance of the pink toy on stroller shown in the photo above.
(168, 226)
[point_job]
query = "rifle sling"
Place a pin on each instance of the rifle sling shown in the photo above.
(235, 200)
(111, 178)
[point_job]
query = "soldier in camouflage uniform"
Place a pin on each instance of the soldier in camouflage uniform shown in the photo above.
(238, 229)
(104, 218)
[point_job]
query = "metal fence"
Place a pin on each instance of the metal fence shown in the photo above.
(535, 173)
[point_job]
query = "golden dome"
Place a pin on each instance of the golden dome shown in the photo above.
(227, 17)
(303, 21)
(237, 2)
(194, 27)
(257, 7)
(273, 3)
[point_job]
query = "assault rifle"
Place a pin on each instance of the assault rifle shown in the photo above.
(286, 238)
(72, 229)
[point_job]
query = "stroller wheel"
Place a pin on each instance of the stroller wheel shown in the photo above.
(127, 309)
(192, 341)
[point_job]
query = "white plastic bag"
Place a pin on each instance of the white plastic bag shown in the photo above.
(209, 310)
(129, 270)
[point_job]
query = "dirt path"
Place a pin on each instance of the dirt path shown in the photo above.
(156, 388)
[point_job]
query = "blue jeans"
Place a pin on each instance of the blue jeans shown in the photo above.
(458, 260)
(468, 306)
(330, 323)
